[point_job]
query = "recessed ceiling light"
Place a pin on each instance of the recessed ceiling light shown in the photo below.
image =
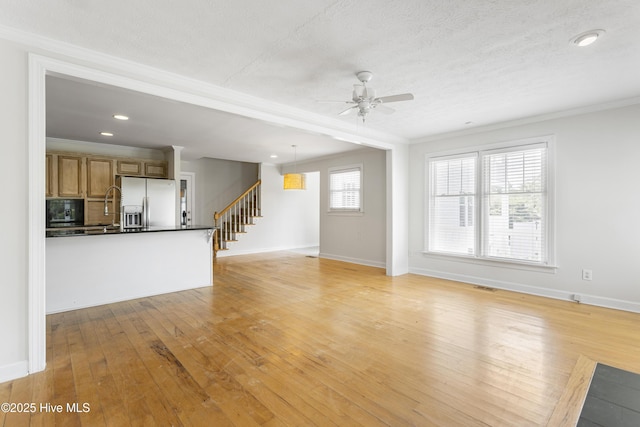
(274, 156)
(106, 134)
(587, 38)
(120, 117)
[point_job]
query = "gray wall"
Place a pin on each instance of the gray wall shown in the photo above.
(218, 183)
(296, 219)
(351, 237)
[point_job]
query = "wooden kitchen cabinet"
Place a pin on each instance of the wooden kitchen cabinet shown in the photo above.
(49, 175)
(70, 176)
(80, 175)
(129, 167)
(94, 213)
(158, 169)
(99, 176)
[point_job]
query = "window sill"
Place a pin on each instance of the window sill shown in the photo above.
(516, 265)
(345, 213)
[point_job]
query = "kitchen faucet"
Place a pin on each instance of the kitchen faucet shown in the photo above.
(106, 206)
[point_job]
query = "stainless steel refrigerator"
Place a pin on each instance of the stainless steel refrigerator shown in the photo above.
(154, 201)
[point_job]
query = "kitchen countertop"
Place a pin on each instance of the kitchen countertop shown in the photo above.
(97, 231)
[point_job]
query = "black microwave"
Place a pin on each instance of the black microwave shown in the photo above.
(65, 213)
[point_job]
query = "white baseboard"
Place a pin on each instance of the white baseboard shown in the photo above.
(14, 370)
(532, 290)
(379, 264)
(233, 251)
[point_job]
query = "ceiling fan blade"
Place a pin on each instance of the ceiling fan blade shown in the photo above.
(396, 98)
(330, 101)
(347, 111)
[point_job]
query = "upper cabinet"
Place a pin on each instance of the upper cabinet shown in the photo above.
(70, 176)
(49, 175)
(144, 168)
(89, 176)
(100, 176)
(156, 169)
(130, 167)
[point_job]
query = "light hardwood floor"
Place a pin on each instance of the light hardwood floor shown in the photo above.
(286, 339)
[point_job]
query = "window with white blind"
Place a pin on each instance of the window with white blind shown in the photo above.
(492, 204)
(452, 214)
(345, 189)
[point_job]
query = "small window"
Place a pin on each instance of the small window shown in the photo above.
(345, 189)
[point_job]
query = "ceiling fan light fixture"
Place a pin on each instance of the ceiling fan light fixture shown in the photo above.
(587, 38)
(364, 98)
(358, 90)
(364, 76)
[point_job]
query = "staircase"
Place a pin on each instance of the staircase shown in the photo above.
(233, 219)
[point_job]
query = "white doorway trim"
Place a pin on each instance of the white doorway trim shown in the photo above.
(36, 341)
(39, 68)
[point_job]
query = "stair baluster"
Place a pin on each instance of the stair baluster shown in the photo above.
(238, 214)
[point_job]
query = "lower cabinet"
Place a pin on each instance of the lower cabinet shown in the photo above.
(94, 213)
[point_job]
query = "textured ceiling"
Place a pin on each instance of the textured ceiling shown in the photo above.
(465, 61)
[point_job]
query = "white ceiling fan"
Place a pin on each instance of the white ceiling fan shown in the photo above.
(364, 98)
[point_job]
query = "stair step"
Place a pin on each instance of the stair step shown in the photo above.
(237, 215)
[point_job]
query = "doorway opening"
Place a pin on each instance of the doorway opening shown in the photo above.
(187, 198)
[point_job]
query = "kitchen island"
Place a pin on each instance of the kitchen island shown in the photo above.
(93, 266)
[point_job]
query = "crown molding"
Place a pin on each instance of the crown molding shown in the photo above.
(593, 108)
(112, 70)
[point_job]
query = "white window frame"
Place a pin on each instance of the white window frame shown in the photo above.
(340, 169)
(480, 257)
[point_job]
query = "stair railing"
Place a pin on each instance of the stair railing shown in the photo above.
(238, 214)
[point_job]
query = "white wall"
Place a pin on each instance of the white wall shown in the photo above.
(359, 239)
(290, 218)
(218, 183)
(13, 216)
(597, 205)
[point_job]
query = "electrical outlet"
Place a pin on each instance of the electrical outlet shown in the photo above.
(587, 275)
